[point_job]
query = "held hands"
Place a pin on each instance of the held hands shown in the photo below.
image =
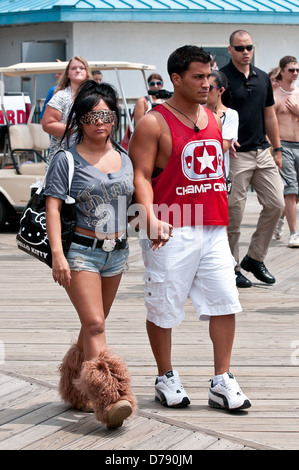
(160, 233)
(61, 270)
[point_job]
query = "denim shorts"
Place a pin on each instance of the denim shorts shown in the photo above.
(85, 258)
(290, 167)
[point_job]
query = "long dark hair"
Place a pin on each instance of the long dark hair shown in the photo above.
(88, 96)
(223, 82)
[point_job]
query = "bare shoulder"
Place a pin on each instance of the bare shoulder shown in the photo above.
(141, 102)
(151, 122)
(150, 143)
(145, 136)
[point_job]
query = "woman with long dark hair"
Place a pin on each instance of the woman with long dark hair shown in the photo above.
(102, 186)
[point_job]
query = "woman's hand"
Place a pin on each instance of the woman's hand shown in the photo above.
(61, 270)
(159, 233)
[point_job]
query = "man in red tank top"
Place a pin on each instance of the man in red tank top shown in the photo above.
(177, 155)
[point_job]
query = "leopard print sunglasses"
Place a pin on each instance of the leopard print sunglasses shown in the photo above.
(105, 115)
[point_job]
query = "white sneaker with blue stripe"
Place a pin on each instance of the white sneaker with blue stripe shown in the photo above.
(228, 395)
(170, 392)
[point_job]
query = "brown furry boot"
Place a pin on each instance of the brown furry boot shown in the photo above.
(69, 372)
(106, 381)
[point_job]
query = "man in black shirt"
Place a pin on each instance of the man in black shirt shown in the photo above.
(252, 162)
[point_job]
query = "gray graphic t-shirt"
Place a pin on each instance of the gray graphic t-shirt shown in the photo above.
(62, 101)
(102, 199)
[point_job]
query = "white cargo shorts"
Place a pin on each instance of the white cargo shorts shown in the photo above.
(195, 262)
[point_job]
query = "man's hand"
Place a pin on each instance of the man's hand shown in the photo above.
(233, 150)
(278, 159)
(159, 233)
(292, 106)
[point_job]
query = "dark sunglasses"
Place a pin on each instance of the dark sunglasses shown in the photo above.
(242, 48)
(155, 83)
(293, 70)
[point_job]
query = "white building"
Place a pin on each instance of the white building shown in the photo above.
(140, 31)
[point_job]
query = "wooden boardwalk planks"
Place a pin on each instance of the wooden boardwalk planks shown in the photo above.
(37, 324)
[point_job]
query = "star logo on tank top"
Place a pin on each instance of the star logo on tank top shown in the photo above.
(206, 160)
(202, 160)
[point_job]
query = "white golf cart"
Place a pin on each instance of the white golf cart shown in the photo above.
(17, 176)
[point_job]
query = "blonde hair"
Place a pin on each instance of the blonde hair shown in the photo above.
(64, 81)
(273, 72)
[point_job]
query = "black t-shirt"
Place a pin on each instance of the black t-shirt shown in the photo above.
(250, 98)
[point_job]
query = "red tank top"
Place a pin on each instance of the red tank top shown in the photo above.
(191, 189)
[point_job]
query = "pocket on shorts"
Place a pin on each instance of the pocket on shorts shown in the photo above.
(77, 247)
(153, 277)
(154, 289)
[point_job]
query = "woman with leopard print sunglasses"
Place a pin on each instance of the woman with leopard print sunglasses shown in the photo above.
(92, 377)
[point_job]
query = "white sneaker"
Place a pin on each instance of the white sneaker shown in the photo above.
(279, 229)
(170, 391)
(294, 240)
(228, 395)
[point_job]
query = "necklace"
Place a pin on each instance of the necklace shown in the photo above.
(287, 92)
(195, 127)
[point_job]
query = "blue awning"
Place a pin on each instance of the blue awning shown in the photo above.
(186, 11)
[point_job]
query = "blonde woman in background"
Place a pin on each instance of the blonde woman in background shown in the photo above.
(273, 77)
(57, 109)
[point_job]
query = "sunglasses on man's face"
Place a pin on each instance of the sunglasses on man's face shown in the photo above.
(151, 83)
(92, 117)
(293, 70)
(242, 48)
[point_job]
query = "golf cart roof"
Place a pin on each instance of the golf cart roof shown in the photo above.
(37, 68)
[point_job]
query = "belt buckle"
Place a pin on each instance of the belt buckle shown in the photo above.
(108, 245)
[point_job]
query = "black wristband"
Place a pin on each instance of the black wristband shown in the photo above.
(279, 149)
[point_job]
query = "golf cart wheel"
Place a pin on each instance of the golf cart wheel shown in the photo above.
(3, 213)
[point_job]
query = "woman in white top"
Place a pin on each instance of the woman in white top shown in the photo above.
(218, 102)
(57, 109)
